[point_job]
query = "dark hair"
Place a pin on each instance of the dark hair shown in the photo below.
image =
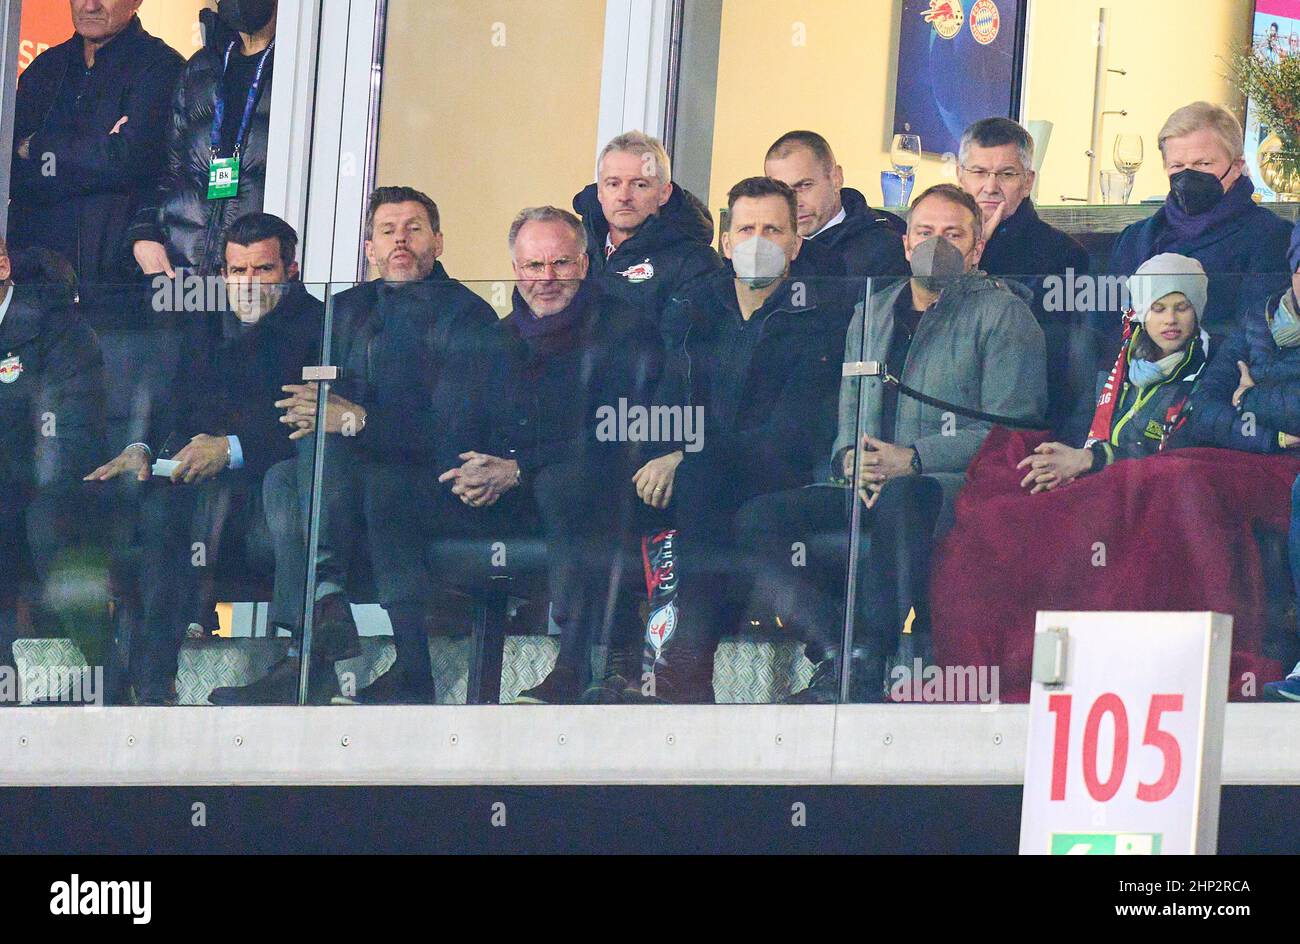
(46, 272)
(382, 196)
(763, 187)
(37, 265)
(953, 194)
(256, 227)
(997, 132)
(791, 140)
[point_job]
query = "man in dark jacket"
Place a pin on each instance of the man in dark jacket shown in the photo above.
(996, 167)
(409, 347)
(88, 117)
(647, 238)
(1210, 216)
(955, 335)
(761, 358)
(51, 424)
(212, 445)
(576, 359)
(868, 242)
(215, 169)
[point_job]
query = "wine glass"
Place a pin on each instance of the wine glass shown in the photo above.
(905, 153)
(1128, 154)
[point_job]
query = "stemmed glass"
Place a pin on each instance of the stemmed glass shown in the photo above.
(1128, 154)
(905, 153)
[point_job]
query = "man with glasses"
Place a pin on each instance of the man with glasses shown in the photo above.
(572, 355)
(996, 167)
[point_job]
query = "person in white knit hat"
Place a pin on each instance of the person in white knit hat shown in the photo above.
(1143, 399)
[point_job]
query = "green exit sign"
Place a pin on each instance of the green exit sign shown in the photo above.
(1105, 844)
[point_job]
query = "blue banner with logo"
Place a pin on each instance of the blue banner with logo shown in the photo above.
(958, 61)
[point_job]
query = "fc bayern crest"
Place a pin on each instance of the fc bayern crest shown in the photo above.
(945, 16)
(985, 21)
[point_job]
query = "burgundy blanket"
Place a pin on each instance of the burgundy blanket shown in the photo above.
(1169, 532)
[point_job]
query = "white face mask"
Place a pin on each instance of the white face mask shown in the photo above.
(758, 261)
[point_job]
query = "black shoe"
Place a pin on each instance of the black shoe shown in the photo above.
(822, 689)
(608, 692)
(334, 632)
(866, 682)
(392, 688)
(558, 688)
(279, 686)
(677, 685)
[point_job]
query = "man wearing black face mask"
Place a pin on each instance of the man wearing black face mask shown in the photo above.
(1209, 215)
(216, 145)
(952, 333)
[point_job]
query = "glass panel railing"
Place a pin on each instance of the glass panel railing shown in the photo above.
(633, 508)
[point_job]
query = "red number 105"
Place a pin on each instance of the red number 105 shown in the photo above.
(1112, 704)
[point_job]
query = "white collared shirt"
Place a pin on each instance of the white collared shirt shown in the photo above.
(835, 220)
(4, 305)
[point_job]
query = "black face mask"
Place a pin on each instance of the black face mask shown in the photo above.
(1196, 192)
(246, 16)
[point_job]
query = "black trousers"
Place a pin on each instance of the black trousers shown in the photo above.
(191, 533)
(592, 521)
(796, 544)
(714, 564)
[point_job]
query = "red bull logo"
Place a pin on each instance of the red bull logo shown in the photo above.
(10, 369)
(641, 272)
(985, 21)
(945, 16)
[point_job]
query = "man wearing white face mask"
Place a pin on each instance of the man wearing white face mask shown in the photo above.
(953, 334)
(760, 360)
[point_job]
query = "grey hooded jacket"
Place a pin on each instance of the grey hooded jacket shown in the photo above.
(978, 346)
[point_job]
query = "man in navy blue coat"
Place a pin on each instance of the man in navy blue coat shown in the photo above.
(1210, 216)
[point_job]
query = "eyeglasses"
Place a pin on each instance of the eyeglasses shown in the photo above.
(563, 267)
(1003, 176)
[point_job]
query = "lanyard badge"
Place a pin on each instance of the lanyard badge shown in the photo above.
(223, 172)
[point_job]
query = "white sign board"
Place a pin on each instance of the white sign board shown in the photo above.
(1125, 733)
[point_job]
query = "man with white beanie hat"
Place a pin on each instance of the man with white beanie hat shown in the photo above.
(1143, 400)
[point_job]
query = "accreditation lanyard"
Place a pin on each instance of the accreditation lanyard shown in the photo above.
(223, 172)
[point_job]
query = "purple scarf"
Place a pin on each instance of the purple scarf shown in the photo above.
(1184, 229)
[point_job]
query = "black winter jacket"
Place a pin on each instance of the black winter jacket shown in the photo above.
(1022, 247)
(228, 379)
(51, 394)
(660, 261)
(547, 407)
(779, 420)
(867, 241)
(178, 213)
(414, 356)
(82, 206)
(1272, 406)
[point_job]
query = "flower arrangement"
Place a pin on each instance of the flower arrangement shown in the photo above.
(1271, 79)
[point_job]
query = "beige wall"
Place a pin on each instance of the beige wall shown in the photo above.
(175, 21)
(489, 107)
(1171, 59)
(841, 81)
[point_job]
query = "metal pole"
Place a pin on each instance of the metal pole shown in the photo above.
(1098, 106)
(10, 26)
(855, 517)
(323, 376)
